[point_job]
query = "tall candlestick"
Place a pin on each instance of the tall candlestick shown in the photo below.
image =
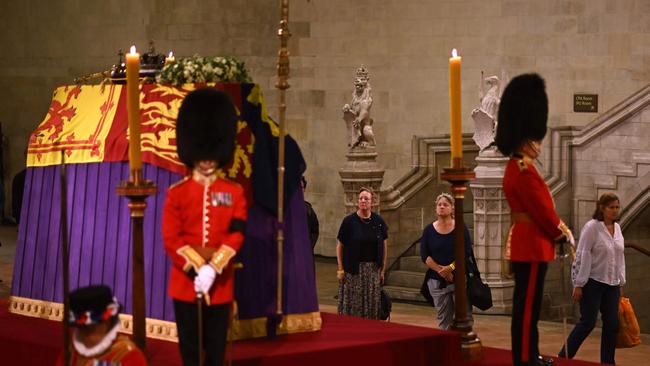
(133, 107)
(455, 110)
(170, 59)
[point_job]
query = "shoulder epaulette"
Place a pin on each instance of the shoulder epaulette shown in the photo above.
(521, 163)
(179, 183)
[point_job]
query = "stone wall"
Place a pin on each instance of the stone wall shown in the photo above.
(600, 47)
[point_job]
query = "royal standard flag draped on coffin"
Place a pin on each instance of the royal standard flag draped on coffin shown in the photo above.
(86, 128)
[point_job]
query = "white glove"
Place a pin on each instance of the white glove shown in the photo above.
(570, 238)
(204, 280)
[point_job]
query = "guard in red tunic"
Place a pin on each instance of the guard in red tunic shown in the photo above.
(95, 341)
(536, 227)
(203, 224)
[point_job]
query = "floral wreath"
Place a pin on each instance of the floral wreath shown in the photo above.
(198, 69)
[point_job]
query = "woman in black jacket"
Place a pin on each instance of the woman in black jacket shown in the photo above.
(361, 255)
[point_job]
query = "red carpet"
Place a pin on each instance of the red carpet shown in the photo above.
(342, 341)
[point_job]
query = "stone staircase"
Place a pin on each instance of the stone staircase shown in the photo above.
(405, 278)
(407, 205)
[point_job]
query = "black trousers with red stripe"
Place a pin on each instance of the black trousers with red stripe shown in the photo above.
(526, 305)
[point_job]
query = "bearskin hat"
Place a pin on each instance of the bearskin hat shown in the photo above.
(206, 127)
(523, 113)
(93, 305)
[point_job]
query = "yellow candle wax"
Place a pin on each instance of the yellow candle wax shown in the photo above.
(455, 110)
(133, 107)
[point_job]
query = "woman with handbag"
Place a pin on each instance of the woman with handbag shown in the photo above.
(598, 274)
(437, 252)
(361, 253)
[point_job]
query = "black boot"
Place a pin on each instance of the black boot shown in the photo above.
(543, 361)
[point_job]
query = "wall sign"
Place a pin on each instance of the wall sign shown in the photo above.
(585, 103)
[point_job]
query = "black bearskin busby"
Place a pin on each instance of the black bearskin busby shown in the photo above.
(523, 113)
(93, 305)
(206, 127)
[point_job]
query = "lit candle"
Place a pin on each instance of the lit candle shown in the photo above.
(133, 107)
(170, 59)
(455, 110)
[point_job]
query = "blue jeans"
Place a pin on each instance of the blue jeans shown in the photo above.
(596, 296)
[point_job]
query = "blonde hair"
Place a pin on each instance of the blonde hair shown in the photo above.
(446, 196)
(449, 199)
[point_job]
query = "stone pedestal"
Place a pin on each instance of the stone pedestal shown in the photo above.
(361, 170)
(491, 225)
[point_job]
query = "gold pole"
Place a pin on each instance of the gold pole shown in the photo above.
(282, 84)
(66, 260)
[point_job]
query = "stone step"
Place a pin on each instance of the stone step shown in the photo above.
(641, 157)
(404, 293)
(623, 169)
(405, 279)
(412, 263)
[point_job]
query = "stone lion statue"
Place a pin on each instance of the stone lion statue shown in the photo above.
(357, 114)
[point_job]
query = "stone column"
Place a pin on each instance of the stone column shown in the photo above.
(491, 226)
(361, 170)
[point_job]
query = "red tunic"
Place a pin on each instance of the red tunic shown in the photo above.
(535, 223)
(122, 352)
(199, 215)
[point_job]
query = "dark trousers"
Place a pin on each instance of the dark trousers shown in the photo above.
(596, 296)
(526, 304)
(215, 326)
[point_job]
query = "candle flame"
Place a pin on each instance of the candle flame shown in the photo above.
(171, 54)
(454, 53)
(132, 49)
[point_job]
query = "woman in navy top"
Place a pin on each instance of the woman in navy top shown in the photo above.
(437, 252)
(361, 255)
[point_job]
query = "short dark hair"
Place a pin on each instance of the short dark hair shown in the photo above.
(304, 181)
(604, 200)
(523, 113)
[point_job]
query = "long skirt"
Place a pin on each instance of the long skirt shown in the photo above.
(359, 293)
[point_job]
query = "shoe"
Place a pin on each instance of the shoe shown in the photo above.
(544, 361)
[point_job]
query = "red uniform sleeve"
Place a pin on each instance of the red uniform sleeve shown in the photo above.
(536, 199)
(172, 227)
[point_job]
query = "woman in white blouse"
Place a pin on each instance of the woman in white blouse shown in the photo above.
(598, 274)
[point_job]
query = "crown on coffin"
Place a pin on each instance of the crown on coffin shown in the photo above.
(150, 64)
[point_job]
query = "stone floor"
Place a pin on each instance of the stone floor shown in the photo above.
(493, 330)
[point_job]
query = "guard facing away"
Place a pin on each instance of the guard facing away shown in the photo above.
(536, 226)
(203, 226)
(95, 340)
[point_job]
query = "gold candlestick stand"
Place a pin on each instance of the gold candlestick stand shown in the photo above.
(136, 189)
(458, 176)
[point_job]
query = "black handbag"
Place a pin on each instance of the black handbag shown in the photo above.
(424, 291)
(385, 305)
(479, 293)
